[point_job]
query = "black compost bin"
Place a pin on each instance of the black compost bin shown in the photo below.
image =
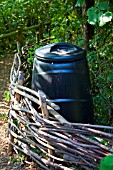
(61, 71)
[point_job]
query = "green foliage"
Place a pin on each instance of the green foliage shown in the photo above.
(30, 54)
(64, 21)
(7, 96)
(99, 15)
(80, 3)
(104, 18)
(4, 116)
(107, 163)
(110, 76)
(100, 64)
(18, 159)
(102, 141)
(15, 121)
(20, 14)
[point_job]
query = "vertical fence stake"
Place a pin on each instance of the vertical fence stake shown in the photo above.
(45, 114)
(10, 147)
(19, 41)
(17, 97)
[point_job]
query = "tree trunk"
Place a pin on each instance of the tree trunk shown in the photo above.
(88, 30)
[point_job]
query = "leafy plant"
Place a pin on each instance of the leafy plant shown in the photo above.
(99, 14)
(18, 158)
(31, 53)
(107, 163)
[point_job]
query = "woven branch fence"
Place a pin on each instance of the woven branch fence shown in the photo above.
(39, 131)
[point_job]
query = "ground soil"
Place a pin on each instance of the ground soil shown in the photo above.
(6, 162)
(5, 67)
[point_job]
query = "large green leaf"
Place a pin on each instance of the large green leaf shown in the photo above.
(104, 18)
(92, 15)
(98, 14)
(107, 163)
(92, 19)
(7, 97)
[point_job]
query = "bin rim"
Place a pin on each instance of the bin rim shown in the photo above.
(49, 53)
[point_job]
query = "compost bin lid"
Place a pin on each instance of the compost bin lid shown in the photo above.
(60, 52)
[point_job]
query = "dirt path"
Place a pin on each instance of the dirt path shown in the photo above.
(5, 67)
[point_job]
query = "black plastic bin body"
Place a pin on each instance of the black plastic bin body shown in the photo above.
(61, 71)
